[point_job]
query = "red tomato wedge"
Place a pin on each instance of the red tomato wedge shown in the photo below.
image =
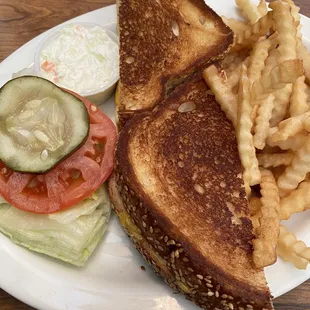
(73, 179)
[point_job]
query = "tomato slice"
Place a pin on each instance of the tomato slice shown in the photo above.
(73, 179)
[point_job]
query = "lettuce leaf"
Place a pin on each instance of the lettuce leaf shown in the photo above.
(70, 235)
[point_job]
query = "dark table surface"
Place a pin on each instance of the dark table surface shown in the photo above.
(22, 20)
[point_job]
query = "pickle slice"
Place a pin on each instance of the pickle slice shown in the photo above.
(40, 124)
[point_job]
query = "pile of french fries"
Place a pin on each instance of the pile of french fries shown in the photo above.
(263, 87)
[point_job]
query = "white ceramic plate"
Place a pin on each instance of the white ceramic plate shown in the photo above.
(112, 278)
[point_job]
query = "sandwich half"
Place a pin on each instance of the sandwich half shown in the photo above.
(179, 194)
(162, 43)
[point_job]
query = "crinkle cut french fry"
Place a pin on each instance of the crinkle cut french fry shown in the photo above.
(254, 205)
(306, 61)
(274, 160)
(271, 61)
(250, 36)
(281, 104)
(307, 124)
(222, 92)
(293, 143)
(290, 127)
(233, 61)
(233, 76)
(299, 99)
(248, 10)
(254, 115)
(257, 59)
(284, 24)
(305, 56)
(245, 139)
(302, 51)
(235, 25)
(292, 250)
(294, 9)
(297, 171)
(255, 220)
(286, 72)
(262, 8)
(297, 201)
(262, 122)
(267, 233)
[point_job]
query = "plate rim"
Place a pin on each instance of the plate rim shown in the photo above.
(27, 298)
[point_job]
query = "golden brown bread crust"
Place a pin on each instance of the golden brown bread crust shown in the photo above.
(154, 58)
(183, 223)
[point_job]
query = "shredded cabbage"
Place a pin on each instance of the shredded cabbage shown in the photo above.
(70, 235)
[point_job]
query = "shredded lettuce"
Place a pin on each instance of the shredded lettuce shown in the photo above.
(70, 235)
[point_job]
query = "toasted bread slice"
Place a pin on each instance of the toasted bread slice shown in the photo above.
(162, 43)
(179, 193)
